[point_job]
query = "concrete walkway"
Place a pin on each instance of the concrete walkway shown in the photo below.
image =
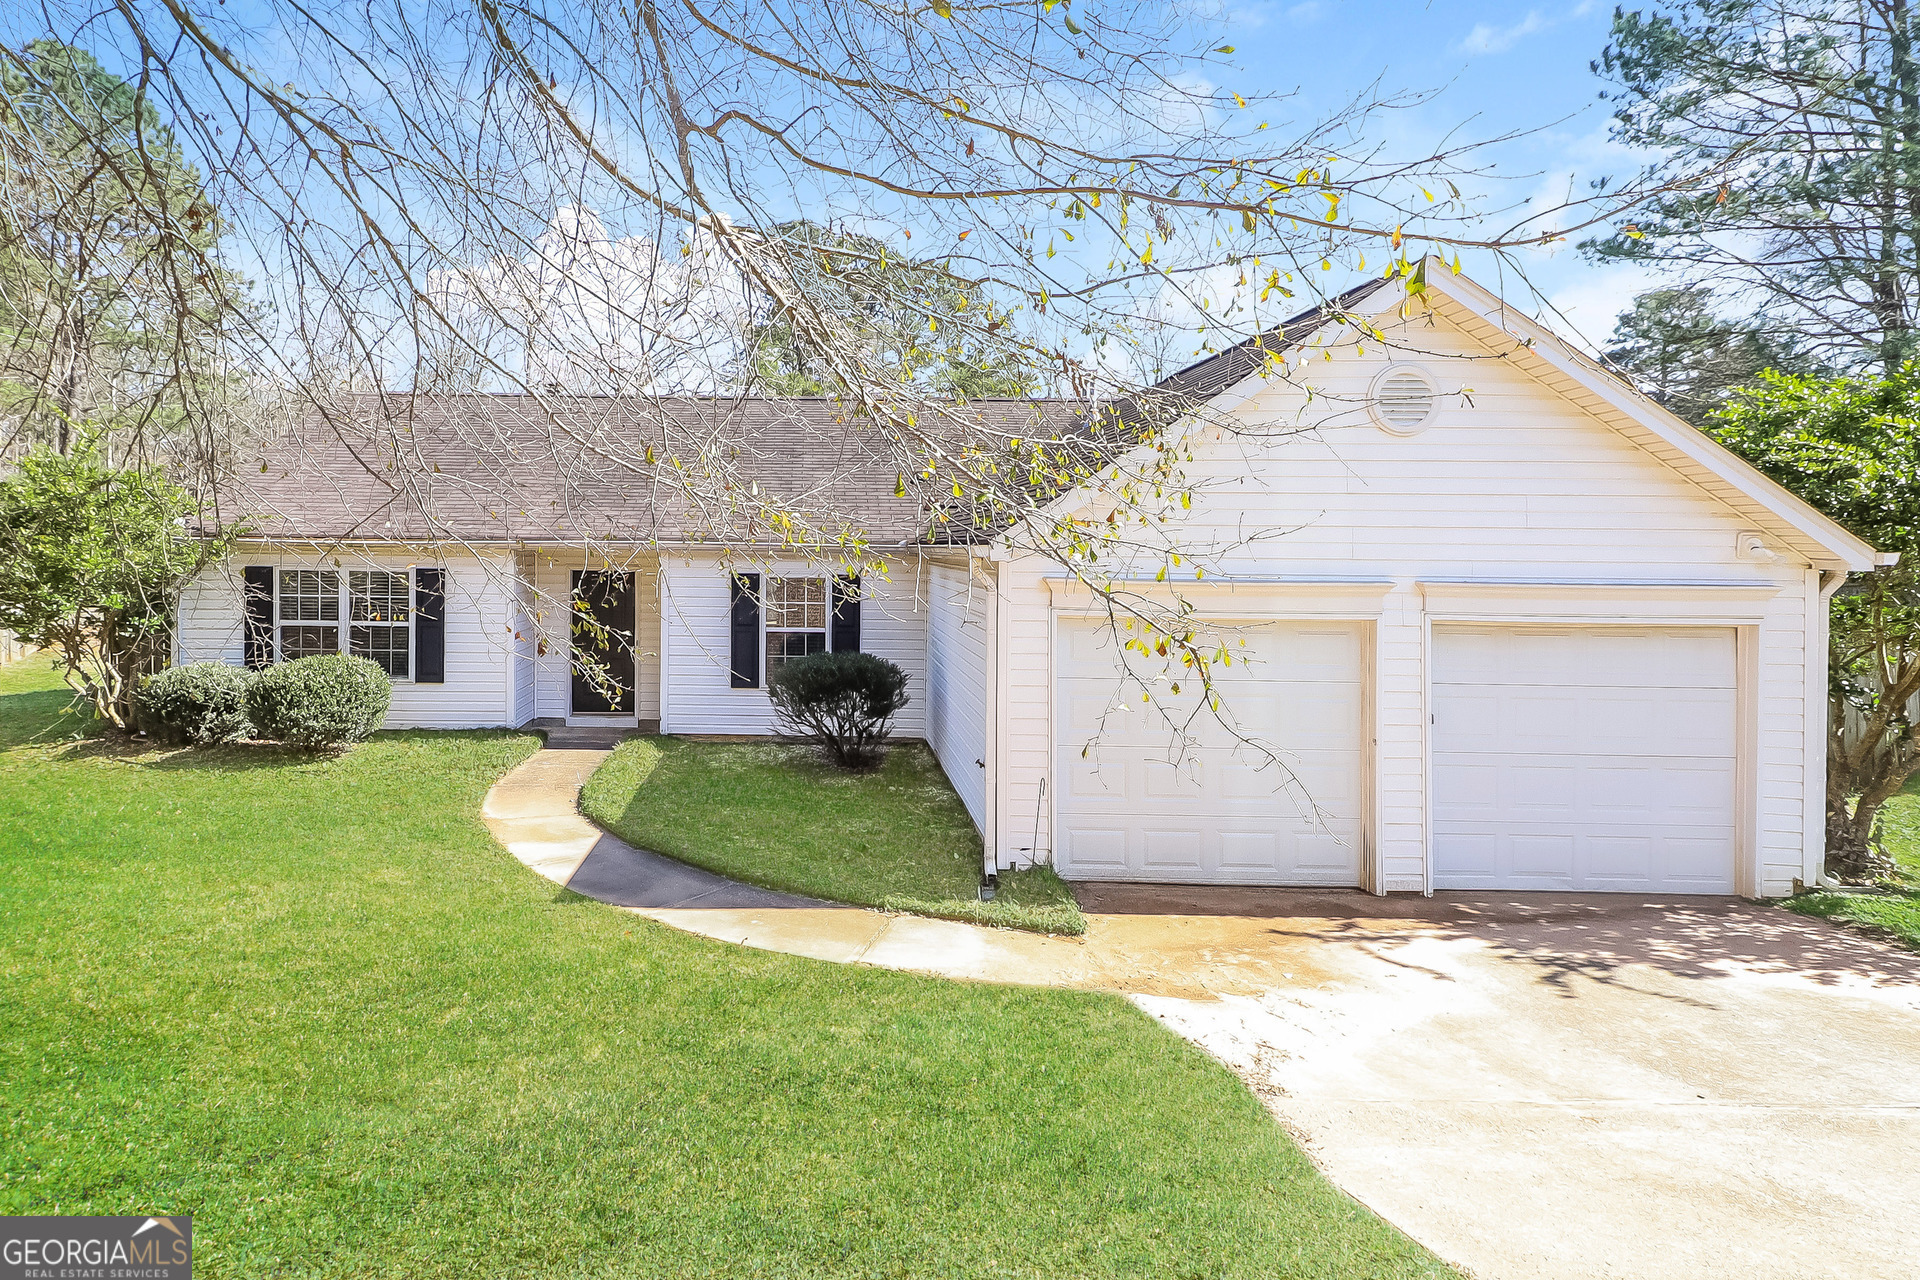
(1535, 1086)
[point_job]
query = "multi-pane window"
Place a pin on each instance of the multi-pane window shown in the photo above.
(380, 608)
(309, 613)
(796, 619)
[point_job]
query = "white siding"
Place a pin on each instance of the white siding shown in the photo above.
(956, 712)
(526, 639)
(1512, 483)
(695, 624)
(480, 623)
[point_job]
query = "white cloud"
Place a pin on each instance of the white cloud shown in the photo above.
(1585, 309)
(1489, 38)
(1301, 15)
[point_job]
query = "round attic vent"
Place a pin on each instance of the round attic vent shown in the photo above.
(1404, 399)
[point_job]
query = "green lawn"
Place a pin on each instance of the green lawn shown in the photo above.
(781, 816)
(1894, 915)
(310, 1002)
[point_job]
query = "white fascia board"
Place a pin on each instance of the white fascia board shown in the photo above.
(1542, 344)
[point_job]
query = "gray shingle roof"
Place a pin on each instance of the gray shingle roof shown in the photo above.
(558, 469)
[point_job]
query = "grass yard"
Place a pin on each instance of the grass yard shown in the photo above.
(1893, 915)
(311, 1003)
(782, 816)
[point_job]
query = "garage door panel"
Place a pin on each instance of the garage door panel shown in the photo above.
(1697, 861)
(1594, 758)
(1128, 784)
(1095, 848)
(1171, 851)
(1663, 657)
(1611, 720)
(1194, 802)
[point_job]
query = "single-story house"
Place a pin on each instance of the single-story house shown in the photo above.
(1500, 621)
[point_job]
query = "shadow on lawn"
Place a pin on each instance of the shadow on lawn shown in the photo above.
(42, 716)
(1564, 935)
(242, 757)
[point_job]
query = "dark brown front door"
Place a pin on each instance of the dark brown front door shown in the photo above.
(603, 632)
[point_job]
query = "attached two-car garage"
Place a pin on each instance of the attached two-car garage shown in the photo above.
(1560, 757)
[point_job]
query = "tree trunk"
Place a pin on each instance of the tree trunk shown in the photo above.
(1852, 853)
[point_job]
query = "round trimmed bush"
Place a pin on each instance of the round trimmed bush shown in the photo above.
(199, 702)
(844, 701)
(325, 701)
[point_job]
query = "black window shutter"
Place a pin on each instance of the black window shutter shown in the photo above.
(746, 630)
(846, 614)
(429, 626)
(258, 642)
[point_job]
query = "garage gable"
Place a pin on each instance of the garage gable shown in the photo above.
(1508, 478)
(1525, 435)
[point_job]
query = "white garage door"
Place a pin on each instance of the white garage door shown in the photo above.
(1594, 758)
(1143, 799)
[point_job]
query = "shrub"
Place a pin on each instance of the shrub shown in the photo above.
(843, 700)
(325, 701)
(201, 703)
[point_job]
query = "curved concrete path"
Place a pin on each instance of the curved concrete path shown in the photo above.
(1535, 1086)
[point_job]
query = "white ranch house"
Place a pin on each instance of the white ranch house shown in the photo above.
(1520, 628)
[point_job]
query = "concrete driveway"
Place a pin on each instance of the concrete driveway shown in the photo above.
(1536, 1086)
(1566, 1085)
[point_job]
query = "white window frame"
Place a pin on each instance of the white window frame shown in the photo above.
(281, 620)
(342, 621)
(768, 629)
(406, 596)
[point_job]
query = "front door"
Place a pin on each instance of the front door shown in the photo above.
(603, 632)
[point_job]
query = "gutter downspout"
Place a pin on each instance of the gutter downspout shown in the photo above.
(978, 560)
(1819, 716)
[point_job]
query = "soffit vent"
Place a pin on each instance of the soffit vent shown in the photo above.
(1404, 400)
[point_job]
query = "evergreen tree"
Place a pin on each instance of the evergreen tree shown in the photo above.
(1689, 358)
(111, 303)
(898, 312)
(1789, 135)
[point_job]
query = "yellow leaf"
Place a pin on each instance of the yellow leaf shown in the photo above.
(900, 485)
(942, 7)
(1237, 98)
(1225, 48)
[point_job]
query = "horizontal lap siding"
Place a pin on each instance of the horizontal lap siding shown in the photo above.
(480, 624)
(526, 638)
(695, 612)
(956, 711)
(1518, 484)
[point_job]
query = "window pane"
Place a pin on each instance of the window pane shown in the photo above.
(378, 596)
(309, 595)
(784, 645)
(385, 645)
(797, 602)
(307, 641)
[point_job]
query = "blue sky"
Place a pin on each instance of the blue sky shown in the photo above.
(1496, 68)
